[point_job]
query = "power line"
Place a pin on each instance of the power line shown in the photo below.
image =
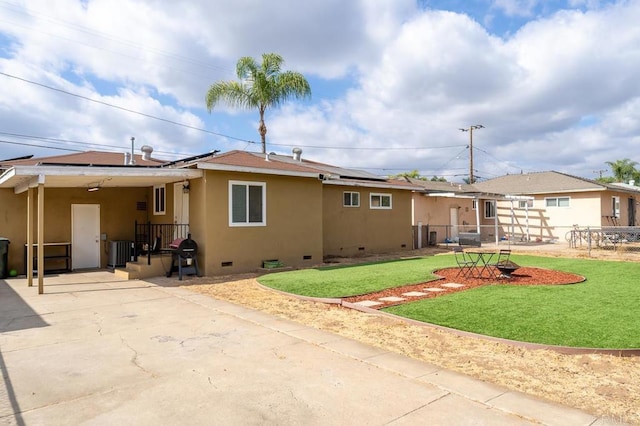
(498, 161)
(368, 148)
(125, 109)
(40, 146)
(216, 133)
(72, 142)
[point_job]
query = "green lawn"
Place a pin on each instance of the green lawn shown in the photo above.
(342, 281)
(602, 312)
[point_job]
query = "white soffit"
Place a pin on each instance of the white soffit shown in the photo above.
(21, 177)
(246, 169)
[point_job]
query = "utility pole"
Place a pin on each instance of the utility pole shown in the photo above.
(470, 129)
(600, 172)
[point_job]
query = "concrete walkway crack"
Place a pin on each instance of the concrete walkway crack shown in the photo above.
(134, 358)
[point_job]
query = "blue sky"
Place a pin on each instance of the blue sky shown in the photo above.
(554, 82)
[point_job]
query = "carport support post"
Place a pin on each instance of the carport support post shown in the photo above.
(29, 259)
(40, 238)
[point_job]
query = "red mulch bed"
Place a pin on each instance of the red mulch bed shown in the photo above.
(522, 276)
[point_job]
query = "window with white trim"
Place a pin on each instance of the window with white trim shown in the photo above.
(489, 209)
(557, 202)
(247, 203)
(525, 204)
(351, 199)
(380, 201)
(159, 199)
(615, 206)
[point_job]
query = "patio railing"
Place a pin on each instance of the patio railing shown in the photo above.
(153, 238)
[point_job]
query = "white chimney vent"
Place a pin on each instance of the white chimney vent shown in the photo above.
(632, 182)
(127, 158)
(146, 152)
(297, 154)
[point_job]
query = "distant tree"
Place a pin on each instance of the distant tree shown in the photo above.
(261, 86)
(606, 179)
(438, 179)
(624, 170)
(414, 174)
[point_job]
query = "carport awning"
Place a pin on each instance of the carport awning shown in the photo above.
(20, 178)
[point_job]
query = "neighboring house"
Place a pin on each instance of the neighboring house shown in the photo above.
(441, 210)
(557, 201)
(241, 208)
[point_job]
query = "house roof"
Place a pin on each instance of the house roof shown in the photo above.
(86, 158)
(87, 169)
(250, 162)
(108, 169)
(380, 184)
(435, 186)
(547, 183)
(243, 161)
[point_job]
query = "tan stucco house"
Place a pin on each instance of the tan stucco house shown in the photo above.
(540, 206)
(241, 208)
(448, 212)
(556, 202)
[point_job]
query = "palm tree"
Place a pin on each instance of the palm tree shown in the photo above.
(261, 86)
(623, 170)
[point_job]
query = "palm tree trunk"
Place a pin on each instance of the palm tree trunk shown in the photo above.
(262, 129)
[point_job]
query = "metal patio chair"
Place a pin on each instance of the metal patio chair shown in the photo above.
(465, 264)
(502, 260)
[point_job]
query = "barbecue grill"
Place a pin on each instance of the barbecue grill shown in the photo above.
(184, 257)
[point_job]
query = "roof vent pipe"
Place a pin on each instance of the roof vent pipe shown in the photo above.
(146, 152)
(127, 158)
(132, 160)
(297, 154)
(632, 182)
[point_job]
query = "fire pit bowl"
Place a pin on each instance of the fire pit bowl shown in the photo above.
(507, 268)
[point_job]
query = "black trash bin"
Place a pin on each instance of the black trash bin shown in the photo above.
(4, 255)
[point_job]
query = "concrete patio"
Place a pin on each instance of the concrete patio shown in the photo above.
(99, 350)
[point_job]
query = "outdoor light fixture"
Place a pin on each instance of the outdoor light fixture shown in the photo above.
(185, 188)
(95, 186)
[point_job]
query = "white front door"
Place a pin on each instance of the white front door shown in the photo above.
(453, 213)
(180, 207)
(85, 236)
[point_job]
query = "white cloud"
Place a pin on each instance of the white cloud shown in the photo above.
(532, 92)
(385, 73)
(516, 7)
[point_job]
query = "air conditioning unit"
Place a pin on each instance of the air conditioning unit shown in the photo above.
(120, 253)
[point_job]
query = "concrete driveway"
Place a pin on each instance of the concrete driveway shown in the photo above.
(96, 350)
